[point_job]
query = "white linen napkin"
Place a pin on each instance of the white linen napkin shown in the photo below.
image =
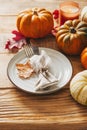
(40, 65)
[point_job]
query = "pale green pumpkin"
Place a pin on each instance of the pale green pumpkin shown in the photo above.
(84, 14)
(78, 87)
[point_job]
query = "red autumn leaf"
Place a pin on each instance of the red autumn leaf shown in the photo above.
(56, 14)
(18, 36)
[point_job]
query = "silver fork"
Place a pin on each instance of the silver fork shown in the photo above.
(28, 50)
(31, 49)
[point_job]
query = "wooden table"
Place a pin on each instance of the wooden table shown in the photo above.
(24, 111)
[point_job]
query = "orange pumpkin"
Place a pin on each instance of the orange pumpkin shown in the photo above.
(72, 37)
(84, 58)
(35, 23)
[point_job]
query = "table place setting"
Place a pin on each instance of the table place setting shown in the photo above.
(38, 74)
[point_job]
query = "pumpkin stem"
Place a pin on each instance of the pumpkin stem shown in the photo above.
(35, 12)
(72, 30)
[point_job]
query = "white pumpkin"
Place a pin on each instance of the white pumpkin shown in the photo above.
(78, 87)
(84, 14)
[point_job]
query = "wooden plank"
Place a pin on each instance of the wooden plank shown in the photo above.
(16, 6)
(7, 24)
(50, 112)
(4, 60)
(41, 126)
(18, 105)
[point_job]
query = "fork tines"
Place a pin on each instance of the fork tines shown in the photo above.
(28, 50)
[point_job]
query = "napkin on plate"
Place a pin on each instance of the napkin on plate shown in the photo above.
(40, 64)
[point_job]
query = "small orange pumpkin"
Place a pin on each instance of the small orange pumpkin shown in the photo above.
(84, 58)
(72, 37)
(35, 23)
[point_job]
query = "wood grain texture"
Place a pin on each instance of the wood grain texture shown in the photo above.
(24, 111)
(14, 6)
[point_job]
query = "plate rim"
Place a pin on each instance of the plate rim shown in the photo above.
(38, 92)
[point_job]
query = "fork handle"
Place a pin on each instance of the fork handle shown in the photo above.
(34, 47)
(28, 40)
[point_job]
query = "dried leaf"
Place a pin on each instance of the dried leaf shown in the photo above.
(24, 70)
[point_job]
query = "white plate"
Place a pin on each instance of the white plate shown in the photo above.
(60, 67)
